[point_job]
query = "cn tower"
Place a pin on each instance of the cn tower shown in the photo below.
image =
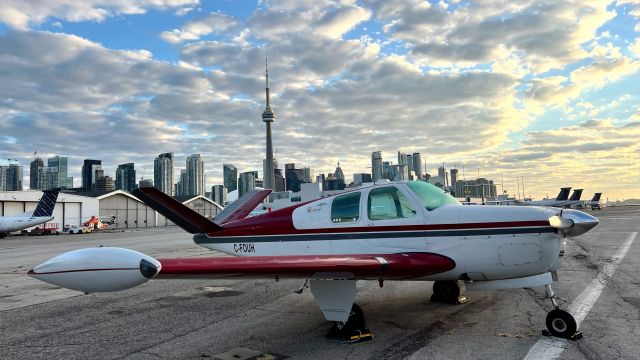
(268, 117)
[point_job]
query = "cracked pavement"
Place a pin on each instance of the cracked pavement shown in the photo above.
(172, 319)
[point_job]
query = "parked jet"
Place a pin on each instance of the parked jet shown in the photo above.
(393, 231)
(573, 201)
(559, 201)
(593, 203)
(42, 214)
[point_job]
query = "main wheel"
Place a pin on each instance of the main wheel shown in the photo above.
(354, 323)
(561, 324)
(446, 291)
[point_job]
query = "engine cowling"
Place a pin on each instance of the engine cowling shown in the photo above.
(101, 269)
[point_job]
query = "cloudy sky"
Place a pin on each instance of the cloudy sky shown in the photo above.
(544, 90)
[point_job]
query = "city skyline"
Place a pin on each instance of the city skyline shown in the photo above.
(540, 91)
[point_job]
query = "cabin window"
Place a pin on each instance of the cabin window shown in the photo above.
(431, 196)
(346, 208)
(389, 203)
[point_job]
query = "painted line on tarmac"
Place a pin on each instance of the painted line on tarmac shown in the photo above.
(549, 348)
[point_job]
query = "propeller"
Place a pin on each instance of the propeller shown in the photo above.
(572, 222)
(560, 223)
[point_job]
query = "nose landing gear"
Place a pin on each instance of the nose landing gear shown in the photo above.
(559, 322)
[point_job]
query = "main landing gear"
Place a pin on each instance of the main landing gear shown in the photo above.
(354, 330)
(448, 292)
(559, 322)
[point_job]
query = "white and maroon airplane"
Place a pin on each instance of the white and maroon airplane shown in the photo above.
(393, 231)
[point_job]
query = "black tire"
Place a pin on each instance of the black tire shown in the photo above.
(354, 324)
(446, 290)
(561, 324)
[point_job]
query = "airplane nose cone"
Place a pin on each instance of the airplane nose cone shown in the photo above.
(582, 222)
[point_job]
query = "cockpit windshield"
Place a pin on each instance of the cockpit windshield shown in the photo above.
(432, 197)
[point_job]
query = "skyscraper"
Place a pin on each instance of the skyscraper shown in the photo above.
(386, 172)
(338, 174)
(57, 173)
(195, 175)
(376, 166)
(454, 180)
(36, 174)
(104, 183)
(417, 164)
(219, 194)
(10, 175)
(294, 177)
(246, 182)
(230, 177)
(163, 173)
(181, 185)
(89, 168)
(126, 177)
(268, 117)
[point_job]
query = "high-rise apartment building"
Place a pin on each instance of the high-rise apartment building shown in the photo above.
(126, 177)
(103, 183)
(294, 177)
(195, 175)
(219, 194)
(181, 185)
(230, 177)
(36, 174)
(89, 169)
(417, 165)
(163, 173)
(10, 175)
(56, 173)
(386, 173)
(376, 166)
(454, 180)
(246, 182)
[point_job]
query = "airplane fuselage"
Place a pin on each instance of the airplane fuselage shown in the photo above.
(16, 223)
(520, 244)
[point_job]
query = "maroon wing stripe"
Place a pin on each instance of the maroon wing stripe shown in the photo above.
(375, 266)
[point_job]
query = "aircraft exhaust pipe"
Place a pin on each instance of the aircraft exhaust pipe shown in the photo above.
(102, 269)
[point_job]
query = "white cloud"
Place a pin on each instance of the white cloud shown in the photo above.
(22, 14)
(335, 23)
(214, 23)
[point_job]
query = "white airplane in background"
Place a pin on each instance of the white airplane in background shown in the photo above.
(573, 201)
(42, 214)
(594, 203)
(559, 201)
(393, 231)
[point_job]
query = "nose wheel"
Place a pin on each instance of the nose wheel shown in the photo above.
(559, 322)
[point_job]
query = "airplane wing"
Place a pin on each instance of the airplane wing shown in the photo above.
(375, 266)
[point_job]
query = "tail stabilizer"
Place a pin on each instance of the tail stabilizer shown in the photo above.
(577, 193)
(564, 193)
(172, 209)
(596, 197)
(240, 208)
(47, 203)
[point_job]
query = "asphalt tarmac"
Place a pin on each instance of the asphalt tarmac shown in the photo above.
(241, 319)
